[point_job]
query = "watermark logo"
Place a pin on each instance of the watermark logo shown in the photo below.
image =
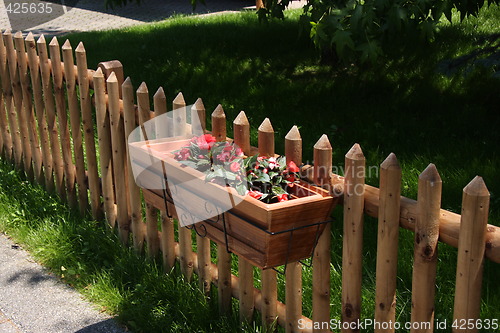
(28, 14)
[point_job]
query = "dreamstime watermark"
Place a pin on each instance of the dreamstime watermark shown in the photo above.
(27, 14)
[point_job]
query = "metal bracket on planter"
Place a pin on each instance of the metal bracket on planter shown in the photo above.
(165, 191)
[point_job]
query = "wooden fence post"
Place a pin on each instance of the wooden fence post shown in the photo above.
(48, 98)
(179, 115)
(269, 281)
(88, 131)
(352, 256)
(164, 128)
(9, 107)
(76, 130)
(28, 114)
(6, 147)
(113, 66)
(198, 114)
(471, 246)
(219, 123)
(119, 163)
(40, 112)
(387, 242)
(185, 240)
(241, 134)
(223, 257)
(425, 249)
(151, 213)
(198, 127)
(160, 108)
(321, 258)
(293, 275)
(266, 138)
(105, 153)
(134, 194)
(60, 97)
(16, 113)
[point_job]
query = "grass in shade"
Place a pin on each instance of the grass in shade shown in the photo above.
(411, 104)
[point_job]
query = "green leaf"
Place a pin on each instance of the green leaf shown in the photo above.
(278, 190)
(369, 51)
(342, 39)
(264, 178)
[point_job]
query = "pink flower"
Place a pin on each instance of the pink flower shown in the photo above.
(272, 163)
(255, 194)
(223, 157)
(183, 154)
(238, 152)
(292, 167)
(282, 197)
(235, 167)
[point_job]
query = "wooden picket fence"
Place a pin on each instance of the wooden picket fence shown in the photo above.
(40, 88)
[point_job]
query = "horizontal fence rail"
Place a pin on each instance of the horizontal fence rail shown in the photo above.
(48, 131)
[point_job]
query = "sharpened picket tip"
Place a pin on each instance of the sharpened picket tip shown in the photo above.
(54, 42)
(7, 32)
(179, 99)
(323, 143)
(40, 40)
(29, 37)
(355, 153)
(98, 73)
(66, 45)
(80, 48)
(160, 93)
(293, 134)
(127, 83)
(112, 78)
(430, 174)
(18, 34)
(143, 88)
(477, 188)
(391, 162)
(266, 126)
(219, 112)
(198, 105)
(241, 119)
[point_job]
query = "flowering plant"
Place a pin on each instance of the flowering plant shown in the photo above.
(263, 178)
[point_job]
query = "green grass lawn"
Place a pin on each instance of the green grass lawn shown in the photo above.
(404, 105)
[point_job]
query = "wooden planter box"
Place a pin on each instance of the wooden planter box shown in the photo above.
(267, 235)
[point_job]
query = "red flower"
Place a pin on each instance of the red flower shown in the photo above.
(204, 142)
(235, 167)
(239, 152)
(183, 154)
(292, 167)
(255, 194)
(209, 138)
(282, 197)
(291, 179)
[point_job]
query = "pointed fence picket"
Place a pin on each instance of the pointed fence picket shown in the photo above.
(37, 94)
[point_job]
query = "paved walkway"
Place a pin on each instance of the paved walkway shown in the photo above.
(33, 301)
(89, 15)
